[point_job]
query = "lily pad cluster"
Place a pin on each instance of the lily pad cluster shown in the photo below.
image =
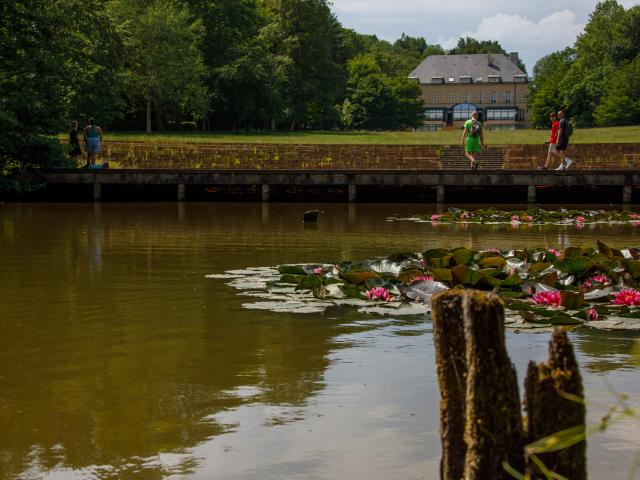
(535, 216)
(540, 286)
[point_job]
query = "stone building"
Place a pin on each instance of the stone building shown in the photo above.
(453, 86)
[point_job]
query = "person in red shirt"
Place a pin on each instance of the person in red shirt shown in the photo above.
(553, 141)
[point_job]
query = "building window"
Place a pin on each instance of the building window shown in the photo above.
(501, 113)
(465, 79)
(520, 78)
(507, 97)
(463, 111)
(480, 99)
(436, 98)
(494, 97)
(437, 80)
(433, 114)
(451, 97)
(522, 97)
(465, 97)
(495, 79)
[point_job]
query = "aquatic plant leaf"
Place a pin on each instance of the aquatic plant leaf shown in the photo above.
(493, 262)
(442, 262)
(422, 290)
(538, 267)
(605, 249)
(557, 441)
(289, 278)
(571, 300)
(463, 256)
(513, 280)
(407, 274)
(358, 277)
(633, 267)
(385, 266)
(442, 274)
(352, 291)
(579, 265)
(572, 252)
(466, 276)
(536, 287)
(598, 294)
(434, 253)
(309, 282)
(402, 257)
(291, 270)
(550, 279)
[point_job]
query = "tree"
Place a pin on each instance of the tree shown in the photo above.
(166, 69)
(469, 45)
(620, 104)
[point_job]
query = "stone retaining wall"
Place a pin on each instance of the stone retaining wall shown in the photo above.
(144, 155)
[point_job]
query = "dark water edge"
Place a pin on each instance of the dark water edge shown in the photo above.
(118, 358)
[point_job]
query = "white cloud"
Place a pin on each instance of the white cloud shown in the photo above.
(519, 34)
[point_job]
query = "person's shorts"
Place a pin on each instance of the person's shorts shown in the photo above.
(93, 145)
(562, 145)
(552, 147)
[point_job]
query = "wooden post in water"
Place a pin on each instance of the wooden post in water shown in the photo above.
(554, 402)
(493, 431)
(448, 337)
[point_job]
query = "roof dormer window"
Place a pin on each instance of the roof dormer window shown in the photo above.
(520, 78)
(495, 78)
(437, 79)
(465, 79)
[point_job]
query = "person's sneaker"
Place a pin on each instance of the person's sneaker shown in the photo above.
(561, 167)
(569, 162)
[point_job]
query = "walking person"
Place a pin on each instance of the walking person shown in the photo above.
(472, 139)
(92, 141)
(74, 143)
(564, 132)
(553, 141)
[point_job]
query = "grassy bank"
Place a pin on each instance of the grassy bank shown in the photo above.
(496, 137)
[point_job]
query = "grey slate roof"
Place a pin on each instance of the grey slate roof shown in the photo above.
(476, 66)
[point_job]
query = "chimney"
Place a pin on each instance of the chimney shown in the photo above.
(513, 56)
(489, 59)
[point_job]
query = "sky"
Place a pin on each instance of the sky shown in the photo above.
(531, 28)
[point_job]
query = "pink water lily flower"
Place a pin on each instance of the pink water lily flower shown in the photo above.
(580, 219)
(547, 298)
(528, 218)
(515, 218)
(601, 278)
(634, 216)
(464, 215)
(493, 250)
(555, 252)
(317, 271)
(628, 296)
(378, 293)
(592, 315)
(421, 277)
(435, 217)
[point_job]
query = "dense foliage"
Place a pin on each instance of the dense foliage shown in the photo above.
(596, 79)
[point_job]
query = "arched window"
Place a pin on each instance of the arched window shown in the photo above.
(463, 111)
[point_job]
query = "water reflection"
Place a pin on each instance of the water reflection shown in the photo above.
(119, 359)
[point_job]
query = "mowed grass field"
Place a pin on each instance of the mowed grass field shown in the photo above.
(443, 137)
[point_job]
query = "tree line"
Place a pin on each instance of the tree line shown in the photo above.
(598, 79)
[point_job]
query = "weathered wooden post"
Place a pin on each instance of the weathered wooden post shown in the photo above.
(493, 431)
(451, 367)
(554, 402)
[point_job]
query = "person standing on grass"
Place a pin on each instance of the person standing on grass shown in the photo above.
(92, 141)
(553, 140)
(564, 132)
(472, 139)
(74, 143)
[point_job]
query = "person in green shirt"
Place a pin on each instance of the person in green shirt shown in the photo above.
(474, 138)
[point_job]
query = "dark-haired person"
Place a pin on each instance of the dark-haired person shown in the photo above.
(553, 141)
(563, 142)
(92, 141)
(74, 143)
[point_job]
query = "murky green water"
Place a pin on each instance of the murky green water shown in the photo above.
(119, 359)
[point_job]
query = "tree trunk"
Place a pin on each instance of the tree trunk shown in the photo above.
(451, 367)
(148, 115)
(493, 431)
(549, 412)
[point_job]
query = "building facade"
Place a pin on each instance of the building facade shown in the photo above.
(454, 86)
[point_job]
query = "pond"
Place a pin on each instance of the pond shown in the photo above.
(119, 358)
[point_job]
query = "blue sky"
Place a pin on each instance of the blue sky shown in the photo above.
(531, 28)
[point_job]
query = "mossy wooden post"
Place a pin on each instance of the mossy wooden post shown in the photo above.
(448, 336)
(493, 432)
(549, 410)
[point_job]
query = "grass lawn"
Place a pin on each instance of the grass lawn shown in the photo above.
(496, 137)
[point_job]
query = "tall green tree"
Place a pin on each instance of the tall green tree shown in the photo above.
(470, 45)
(620, 104)
(166, 70)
